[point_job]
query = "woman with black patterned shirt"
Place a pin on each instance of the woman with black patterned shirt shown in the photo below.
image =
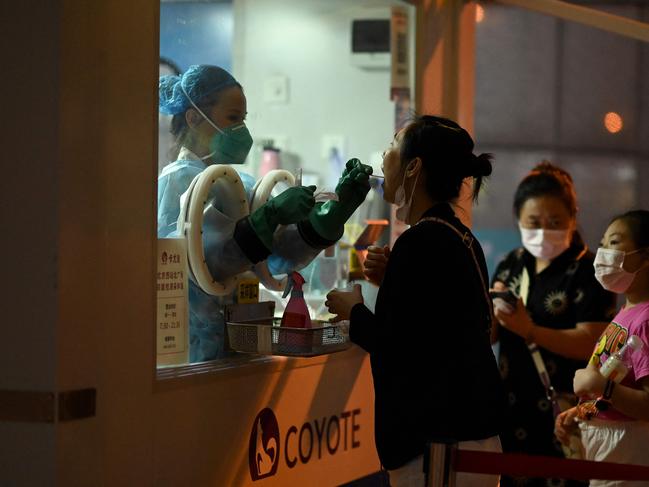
(561, 308)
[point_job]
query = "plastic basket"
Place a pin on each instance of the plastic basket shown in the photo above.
(266, 337)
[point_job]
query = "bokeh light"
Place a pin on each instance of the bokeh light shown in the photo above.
(479, 13)
(613, 122)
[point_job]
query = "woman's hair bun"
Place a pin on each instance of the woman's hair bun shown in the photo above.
(481, 166)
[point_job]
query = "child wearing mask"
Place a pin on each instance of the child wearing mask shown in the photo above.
(614, 418)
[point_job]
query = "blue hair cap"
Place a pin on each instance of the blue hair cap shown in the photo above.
(198, 81)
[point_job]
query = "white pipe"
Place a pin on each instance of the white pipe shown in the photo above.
(587, 16)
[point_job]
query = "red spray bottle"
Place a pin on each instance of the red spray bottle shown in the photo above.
(296, 314)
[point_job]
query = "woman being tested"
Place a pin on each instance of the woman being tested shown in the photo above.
(559, 306)
(614, 417)
(435, 376)
(209, 108)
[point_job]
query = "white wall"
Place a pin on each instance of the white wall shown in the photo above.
(310, 44)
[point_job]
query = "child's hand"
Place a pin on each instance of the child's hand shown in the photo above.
(588, 382)
(565, 425)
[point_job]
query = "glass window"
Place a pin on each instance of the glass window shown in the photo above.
(310, 99)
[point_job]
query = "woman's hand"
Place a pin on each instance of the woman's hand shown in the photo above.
(340, 303)
(565, 425)
(515, 319)
(589, 382)
(500, 303)
(375, 263)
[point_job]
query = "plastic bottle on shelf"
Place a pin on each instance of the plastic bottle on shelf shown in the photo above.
(296, 314)
(616, 366)
(269, 159)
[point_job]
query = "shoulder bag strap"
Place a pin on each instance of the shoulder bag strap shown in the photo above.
(539, 363)
(467, 240)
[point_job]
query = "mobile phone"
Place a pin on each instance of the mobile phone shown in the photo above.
(508, 296)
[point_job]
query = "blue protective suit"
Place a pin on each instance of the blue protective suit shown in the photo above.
(224, 257)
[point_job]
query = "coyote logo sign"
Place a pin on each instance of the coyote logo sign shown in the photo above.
(263, 450)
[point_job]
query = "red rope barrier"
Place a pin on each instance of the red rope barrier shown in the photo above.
(519, 465)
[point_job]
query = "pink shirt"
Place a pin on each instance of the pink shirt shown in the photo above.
(628, 322)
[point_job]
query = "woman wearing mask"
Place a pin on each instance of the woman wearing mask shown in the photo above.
(435, 376)
(560, 307)
(209, 108)
(614, 419)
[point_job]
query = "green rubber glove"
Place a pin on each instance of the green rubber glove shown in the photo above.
(290, 206)
(354, 183)
(328, 219)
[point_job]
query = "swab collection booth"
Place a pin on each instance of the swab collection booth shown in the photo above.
(97, 387)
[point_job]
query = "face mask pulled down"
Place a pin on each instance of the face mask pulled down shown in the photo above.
(610, 272)
(545, 244)
(403, 206)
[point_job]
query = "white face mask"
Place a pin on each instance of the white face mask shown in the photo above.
(609, 270)
(545, 244)
(403, 206)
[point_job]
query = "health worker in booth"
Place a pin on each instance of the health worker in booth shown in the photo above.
(208, 106)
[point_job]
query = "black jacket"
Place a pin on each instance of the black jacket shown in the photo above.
(435, 375)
